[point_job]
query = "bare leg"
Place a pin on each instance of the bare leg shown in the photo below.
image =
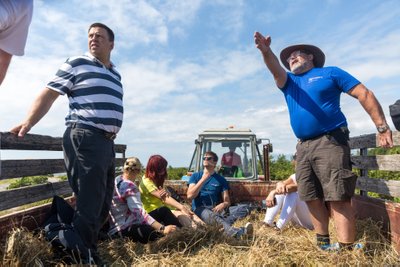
(345, 222)
(319, 216)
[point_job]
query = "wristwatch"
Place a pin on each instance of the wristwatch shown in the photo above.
(162, 228)
(382, 128)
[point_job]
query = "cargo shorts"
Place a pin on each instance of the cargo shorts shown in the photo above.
(323, 169)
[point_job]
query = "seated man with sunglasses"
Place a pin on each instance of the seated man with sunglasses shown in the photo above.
(209, 193)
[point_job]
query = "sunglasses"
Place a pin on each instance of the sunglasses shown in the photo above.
(208, 158)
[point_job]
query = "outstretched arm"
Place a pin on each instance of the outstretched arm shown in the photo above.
(272, 62)
(371, 105)
(39, 108)
(167, 199)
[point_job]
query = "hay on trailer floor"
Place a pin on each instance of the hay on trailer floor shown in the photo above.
(207, 246)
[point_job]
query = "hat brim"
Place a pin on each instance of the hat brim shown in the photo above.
(319, 56)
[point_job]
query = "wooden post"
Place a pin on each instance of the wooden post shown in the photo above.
(266, 149)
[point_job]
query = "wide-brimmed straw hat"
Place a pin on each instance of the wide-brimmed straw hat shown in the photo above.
(319, 56)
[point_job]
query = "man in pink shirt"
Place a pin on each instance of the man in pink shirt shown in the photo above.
(231, 158)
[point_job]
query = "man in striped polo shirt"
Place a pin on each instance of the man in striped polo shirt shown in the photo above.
(94, 91)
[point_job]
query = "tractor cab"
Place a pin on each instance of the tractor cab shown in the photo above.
(239, 154)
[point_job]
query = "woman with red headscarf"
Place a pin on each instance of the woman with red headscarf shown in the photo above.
(156, 201)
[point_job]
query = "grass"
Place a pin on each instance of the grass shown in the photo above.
(206, 246)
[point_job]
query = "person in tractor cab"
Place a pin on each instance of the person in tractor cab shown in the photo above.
(231, 163)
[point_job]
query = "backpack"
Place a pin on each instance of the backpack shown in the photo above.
(395, 114)
(61, 234)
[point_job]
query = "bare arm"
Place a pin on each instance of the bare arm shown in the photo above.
(272, 62)
(167, 199)
(39, 108)
(371, 105)
(5, 59)
(286, 186)
(270, 198)
(194, 189)
(226, 202)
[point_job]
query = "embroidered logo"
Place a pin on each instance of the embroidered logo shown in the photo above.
(313, 79)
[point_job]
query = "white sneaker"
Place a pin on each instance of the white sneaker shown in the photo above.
(248, 229)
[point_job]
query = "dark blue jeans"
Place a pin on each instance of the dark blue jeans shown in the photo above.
(226, 219)
(90, 164)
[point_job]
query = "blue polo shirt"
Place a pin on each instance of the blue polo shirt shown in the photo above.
(313, 100)
(210, 193)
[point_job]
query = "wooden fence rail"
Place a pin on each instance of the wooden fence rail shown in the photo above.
(384, 211)
(32, 167)
(364, 163)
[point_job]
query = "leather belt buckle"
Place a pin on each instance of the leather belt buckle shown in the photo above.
(110, 136)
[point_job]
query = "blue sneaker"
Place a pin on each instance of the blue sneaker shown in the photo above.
(247, 230)
(336, 247)
(330, 247)
(358, 246)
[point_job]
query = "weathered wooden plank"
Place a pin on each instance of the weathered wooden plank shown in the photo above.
(371, 140)
(38, 142)
(30, 142)
(380, 186)
(367, 140)
(30, 194)
(120, 149)
(31, 167)
(378, 162)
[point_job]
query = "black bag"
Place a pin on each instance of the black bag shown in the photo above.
(61, 234)
(395, 114)
(174, 194)
(60, 212)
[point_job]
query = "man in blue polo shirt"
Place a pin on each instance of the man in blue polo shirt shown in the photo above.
(209, 193)
(94, 91)
(323, 171)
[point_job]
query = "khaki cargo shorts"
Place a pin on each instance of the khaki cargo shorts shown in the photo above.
(323, 169)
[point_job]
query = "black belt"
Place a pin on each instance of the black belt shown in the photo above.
(340, 129)
(108, 135)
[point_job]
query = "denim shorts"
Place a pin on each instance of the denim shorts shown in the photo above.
(323, 169)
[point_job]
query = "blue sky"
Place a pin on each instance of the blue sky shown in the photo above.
(191, 65)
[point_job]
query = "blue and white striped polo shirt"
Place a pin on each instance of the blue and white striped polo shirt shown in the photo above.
(94, 92)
